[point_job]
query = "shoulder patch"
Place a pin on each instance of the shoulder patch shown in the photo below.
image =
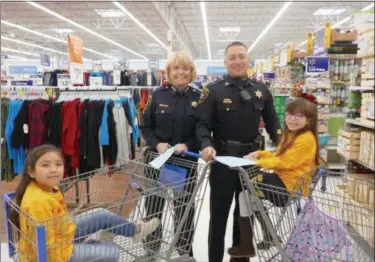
(204, 95)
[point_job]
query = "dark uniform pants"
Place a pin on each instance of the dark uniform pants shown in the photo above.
(155, 206)
(225, 184)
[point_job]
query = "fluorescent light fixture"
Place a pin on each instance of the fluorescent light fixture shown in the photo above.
(62, 30)
(329, 11)
(109, 12)
(204, 17)
(346, 19)
(17, 57)
(230, 29)
(268, 27)
(84, 28)
(370, 6)
(131, 16)
(32, 45)
(6, 49)
(52, 38)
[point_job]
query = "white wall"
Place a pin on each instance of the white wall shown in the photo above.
(201, 65)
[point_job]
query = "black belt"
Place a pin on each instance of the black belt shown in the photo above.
(238, 148)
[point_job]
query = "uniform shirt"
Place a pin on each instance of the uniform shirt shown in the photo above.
(170, 117)
(47, 209)
(295, 161)
(222, 111)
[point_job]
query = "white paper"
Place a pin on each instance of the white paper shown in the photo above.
(116, 77)
(158, 162)
(76, 73)
(232, 161)
(96, 81)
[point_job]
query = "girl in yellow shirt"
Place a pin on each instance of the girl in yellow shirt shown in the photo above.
(42, 204)
(297, 153)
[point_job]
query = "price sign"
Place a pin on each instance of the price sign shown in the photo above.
(63, 80)
(116, 77)
(96, 81)
(153, 65)
(124, 64)
(37, 80)
(76, 73)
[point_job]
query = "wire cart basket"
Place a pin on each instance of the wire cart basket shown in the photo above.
(130, 190)
(325, 224)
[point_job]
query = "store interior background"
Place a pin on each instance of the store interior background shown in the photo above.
(152, 30)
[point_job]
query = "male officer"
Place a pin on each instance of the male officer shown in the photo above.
(231, 108)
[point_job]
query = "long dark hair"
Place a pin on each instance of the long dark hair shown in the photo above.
(310, 110)
(31, 159)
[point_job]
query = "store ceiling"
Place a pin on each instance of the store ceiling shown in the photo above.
(226, 21)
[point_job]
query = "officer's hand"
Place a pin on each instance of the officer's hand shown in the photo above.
(162, 147)
(180, 148)
(253, 156)
(209, 153)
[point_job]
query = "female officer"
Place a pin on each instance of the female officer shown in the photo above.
(169, 119)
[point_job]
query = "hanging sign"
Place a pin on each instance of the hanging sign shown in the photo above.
(97, 65)
(124, 64)
(3, 58)
(96, 81)
(37, 80)
(63, 80)
(310, 44)
(76, 73)
(45, 60)
(21, 83)
(216, 70)
(22, 70)
(153, 64)
(75, 45)
(316, 65)
(116, 77)
(327, 35)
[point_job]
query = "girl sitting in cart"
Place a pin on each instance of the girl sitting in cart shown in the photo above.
(42, 203)
(297, 153)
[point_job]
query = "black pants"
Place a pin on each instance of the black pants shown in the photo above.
(225, 184)
(273, 188)
(154, 208)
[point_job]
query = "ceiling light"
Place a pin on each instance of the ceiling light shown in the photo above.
(268, 27)
(346, 19)
(204, 17)
(52, 38)
(18, 51)
(130, 15)
(329, 11)
(230, 29)
(17, 57)
(109, 12)
(84, 28)
(62, 30)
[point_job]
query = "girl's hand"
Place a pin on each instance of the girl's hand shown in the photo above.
(253, 156)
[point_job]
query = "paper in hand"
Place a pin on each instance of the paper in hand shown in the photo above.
(232, 161)
(158, 162)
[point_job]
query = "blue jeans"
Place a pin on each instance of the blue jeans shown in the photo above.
(90, 223)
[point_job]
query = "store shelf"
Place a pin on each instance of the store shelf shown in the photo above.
(336, 166)
(361, 88)
(331, 147)
(342, 56)
(358, 122)
(363, 164)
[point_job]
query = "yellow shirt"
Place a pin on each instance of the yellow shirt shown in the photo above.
(298, 159)
(45, 209)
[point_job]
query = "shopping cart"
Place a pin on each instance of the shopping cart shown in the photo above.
(122, 189)
(332, 222)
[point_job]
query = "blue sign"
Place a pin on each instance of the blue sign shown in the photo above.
(269, 75)
(316, 65)
(45, 60)
(21, 82)
(216, 70)
(22, 70)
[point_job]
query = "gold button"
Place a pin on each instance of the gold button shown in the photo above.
(162, 112)
(227, 109)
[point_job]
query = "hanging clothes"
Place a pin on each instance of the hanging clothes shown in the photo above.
(56, 122)
(110, 150)
(38, 120)
(7, 173)
(121, 132)
(20, 134)
(17, 155)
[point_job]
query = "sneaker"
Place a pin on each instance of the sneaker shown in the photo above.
(146, 229)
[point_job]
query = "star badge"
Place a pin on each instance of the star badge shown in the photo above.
(258, 94)
(194, 104)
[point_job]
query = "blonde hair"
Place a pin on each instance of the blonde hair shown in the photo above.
(180, 58)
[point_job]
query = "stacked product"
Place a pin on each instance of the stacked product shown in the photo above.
(280, 102)
(367, 107)
(354, 104)
(366, 52)
(366, 154)
(348, 144)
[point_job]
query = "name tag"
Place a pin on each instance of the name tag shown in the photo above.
(163, 105)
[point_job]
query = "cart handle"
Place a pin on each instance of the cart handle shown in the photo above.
(192, 154)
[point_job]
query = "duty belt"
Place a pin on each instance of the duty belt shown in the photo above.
(238, 148)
